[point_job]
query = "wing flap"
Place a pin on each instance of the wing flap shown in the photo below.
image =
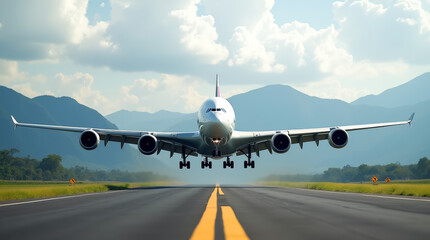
(177, 148)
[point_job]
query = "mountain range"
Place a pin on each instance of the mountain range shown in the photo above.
(269, 108)
(409, 93)
(63, 111)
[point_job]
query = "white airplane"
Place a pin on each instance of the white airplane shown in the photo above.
(215, 138)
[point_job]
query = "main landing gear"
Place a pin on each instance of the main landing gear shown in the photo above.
(206, 163)
(184, 162)
(228, 163)
(249, 163)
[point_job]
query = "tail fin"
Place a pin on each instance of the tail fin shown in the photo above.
(217, 87)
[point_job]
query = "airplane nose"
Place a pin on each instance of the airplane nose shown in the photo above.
(217, 126)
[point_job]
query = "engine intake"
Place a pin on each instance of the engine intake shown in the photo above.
(147, 144)
(281, 143)
(89, 140)
(338, 138)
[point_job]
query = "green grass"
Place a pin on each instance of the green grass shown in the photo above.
(406, 188)
(14, 190)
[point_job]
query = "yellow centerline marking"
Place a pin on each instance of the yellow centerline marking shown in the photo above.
(220, 192)
(206, 227)
(232, 227)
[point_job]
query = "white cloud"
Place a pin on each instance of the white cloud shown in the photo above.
(199, 34)
(33, 30)
(374, 45)
(9, 72)
(102, 4)
(80, 87)
(26, 89)
(169, 92)
(387, 31)
(155, 36)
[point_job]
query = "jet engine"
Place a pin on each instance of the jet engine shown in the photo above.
(281, 143)
(338, 138)
(89, 139)
(147, 144)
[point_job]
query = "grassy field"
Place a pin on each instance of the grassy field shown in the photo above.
(419, 188)
(13, 190)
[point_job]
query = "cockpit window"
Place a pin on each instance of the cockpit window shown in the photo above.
(216, 110)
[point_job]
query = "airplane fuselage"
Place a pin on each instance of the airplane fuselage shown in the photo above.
(216, 121)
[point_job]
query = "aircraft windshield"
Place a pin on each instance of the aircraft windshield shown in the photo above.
(215, 110)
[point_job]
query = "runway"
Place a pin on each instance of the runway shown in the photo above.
(227, 212)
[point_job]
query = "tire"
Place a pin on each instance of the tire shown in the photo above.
(245, 164)
(180, 165)
(252, 164)
(232, 164)
(188, 164)
(210, 165)
(224, 164)
(203, 164)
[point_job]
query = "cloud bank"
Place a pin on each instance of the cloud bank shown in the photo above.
(187, 41)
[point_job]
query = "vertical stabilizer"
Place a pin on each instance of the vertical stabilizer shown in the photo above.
(217, 87)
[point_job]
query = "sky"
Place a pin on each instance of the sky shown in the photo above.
(153, 55)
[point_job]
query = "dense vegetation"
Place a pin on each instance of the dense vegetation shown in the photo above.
(364, 173)
(50, 168)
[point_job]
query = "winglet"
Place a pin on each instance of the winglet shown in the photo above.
(14, 121)
(217, 87)
(411, 118)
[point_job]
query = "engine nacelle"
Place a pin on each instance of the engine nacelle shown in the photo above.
(147, 144)
(338, 138)
(281, 143)
(89, 139)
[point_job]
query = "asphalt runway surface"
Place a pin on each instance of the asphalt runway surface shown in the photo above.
(227, 212)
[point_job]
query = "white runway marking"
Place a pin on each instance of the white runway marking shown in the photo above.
(369, 195)
(56, 198)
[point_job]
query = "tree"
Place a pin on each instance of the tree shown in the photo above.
(52, 168)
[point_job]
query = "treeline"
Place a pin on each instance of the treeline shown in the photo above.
(363, 173)
(50, 168)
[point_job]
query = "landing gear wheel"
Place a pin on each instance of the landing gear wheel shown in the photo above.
(188, 164)
(203, 164)
(224, 164)
(210, 165)
(181, 165)
(232, 164)
(252, 164)
(245, 164)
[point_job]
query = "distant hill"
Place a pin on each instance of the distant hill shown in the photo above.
(412, 92)
(159, 121)
(63, 111)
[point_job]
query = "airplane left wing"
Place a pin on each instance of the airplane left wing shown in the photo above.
(173, 142)
(254, 142)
